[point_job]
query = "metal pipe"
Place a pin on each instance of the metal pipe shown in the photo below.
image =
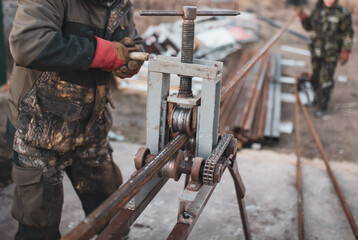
(180, 13)
(230, 87)
(335, 183)
(104, 213)
(300, 209)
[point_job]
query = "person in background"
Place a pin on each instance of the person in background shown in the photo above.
(331, 42)
(65, 53)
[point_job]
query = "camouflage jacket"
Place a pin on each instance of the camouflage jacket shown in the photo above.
(52, 89)
(332, 31)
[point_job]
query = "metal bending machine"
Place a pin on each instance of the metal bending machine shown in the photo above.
(182, 138)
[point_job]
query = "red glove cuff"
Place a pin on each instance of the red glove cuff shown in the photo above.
(345, 54)
(302, 16)
(105, 56)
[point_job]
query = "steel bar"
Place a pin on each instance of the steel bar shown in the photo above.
(232, 104)
(230, 87)
(240, 193)
(256, 94)
(335, 183)
(300, 209)
(180, 231)
(270, 99)
(276, 25)
(126, 217)
(263, 108)
(103, 214)
(180, 13)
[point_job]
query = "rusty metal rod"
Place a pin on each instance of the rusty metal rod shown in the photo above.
(126, 217)
(242, 73)
(335, 183)
(180, 13)
(300, 209)
(104, 213)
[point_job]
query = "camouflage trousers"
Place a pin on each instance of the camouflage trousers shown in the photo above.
(322, 80)
(53, 137)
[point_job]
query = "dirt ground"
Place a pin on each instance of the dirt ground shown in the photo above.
(270, 201)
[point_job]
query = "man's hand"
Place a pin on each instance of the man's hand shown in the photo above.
(124, 47)
(131, 68)
(344, 57)
(111, 56)
(300, 13)
(299, 10)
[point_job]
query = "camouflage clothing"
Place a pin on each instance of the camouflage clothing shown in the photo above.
(332, 33)
(38, 175)
(322, 81)
(59, 118)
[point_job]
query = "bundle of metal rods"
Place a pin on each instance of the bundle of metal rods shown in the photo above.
(252, 111)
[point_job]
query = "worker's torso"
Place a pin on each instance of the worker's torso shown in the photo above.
(62, 102)
(328, 29)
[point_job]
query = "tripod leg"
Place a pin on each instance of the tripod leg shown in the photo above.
(240, 194)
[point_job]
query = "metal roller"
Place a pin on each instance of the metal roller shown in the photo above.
(181, 120)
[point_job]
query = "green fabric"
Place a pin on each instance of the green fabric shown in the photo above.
(2, 50)
(332, 31)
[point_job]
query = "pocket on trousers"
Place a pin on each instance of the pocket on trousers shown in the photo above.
(49, 122)
(29, 206)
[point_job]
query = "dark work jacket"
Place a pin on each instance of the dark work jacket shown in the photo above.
(53, 40)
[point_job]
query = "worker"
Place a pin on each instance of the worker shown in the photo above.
(65, 53)
(331, 42)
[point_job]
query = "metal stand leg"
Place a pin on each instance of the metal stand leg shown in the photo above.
(240, 193)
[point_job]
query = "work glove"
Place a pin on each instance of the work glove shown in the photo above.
(344, 57)
(111, 56)
(133, 66)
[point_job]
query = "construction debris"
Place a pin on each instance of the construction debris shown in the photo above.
(216, 37)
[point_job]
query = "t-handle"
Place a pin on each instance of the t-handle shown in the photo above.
(189, 14)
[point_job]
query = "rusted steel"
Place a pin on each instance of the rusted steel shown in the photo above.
(256, 92)
(240, 194)
(185, 167)
(262, 114)
(103, 214)
(126, 217)
(335, 183)
(300, 209)
(180, 231)
(212, 161)
(244, 110)
(231, 86)
(196, 169)
(139, 157)
(183, 227)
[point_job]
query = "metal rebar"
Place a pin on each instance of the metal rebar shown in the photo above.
(104, 213)
(241, 74)
(300, 209)
(335, 183)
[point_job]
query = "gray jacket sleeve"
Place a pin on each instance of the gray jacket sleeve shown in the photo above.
(36, 40)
